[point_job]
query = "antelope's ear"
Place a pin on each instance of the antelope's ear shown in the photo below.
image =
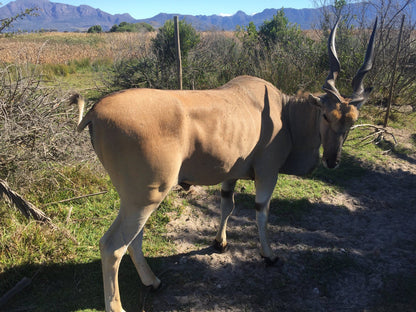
(315, 100)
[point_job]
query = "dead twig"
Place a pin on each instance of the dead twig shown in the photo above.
(75, 198)
(378, 133)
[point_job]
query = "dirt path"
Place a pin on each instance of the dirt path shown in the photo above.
(351, 251)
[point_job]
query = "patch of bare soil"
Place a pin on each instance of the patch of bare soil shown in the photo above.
(352, 251)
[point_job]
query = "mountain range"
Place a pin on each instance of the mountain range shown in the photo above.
(65, 17)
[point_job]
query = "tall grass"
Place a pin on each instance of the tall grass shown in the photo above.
(61, 48)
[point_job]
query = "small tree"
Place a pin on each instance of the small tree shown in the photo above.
(164, 46)
(114, 28)
(247, 33)
(282, 55)
(164, 42)
(278, 29)
(95, 29)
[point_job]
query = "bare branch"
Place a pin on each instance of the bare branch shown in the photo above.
(7, 22)
(75, 198)
(378, 133)
(25, 207)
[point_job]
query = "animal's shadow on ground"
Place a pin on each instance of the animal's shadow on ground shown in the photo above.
(333, 259)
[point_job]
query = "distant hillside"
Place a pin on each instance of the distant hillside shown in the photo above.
(65, 17)
(305, 18)
(62, 17)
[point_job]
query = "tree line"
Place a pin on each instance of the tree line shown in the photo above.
(123, 27)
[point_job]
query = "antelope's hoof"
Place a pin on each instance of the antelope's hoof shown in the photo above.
(220, 247)
(151, 288)
(272, 262)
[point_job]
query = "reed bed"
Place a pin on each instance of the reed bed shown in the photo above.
(60, 48)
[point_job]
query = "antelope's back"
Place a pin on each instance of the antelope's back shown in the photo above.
(212, 129)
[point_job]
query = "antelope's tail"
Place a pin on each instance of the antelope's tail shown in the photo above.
(82, 121)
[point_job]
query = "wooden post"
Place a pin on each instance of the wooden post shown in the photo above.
(393, 75)
(178, 52)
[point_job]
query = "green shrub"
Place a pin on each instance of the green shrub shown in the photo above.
(133, 73)
(279, 30)
(164, 42)
(95, 29)
(132, 27)
(163, 47)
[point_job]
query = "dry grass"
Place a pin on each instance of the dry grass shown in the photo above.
(60, 48)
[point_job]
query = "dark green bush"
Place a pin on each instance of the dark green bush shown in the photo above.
(131, 27)
(95, 29)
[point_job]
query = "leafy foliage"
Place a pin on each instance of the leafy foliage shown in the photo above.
(280, 53)
(37, 138)
(279, 30)
(164, 43)
(132, 27)
(95, 29)
(156, 69)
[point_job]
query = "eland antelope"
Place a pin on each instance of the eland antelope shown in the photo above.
(151, 140)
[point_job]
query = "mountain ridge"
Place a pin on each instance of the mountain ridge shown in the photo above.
(66, 17)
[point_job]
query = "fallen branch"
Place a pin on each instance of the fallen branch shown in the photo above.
(75, 198)
(20, 286)
(25, 207)
(379, 131)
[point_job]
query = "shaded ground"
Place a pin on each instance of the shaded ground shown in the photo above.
(351, 251)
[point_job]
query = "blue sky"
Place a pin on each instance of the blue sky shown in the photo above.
(149, 8)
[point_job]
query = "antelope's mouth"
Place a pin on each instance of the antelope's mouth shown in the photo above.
(331, 163)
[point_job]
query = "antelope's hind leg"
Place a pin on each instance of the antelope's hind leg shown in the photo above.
(227, 207)
(146, 274)
(126, 233)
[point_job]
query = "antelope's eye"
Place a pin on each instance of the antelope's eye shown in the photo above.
(326, 118)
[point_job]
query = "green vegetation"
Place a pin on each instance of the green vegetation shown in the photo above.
(156, 70)
(164, 42)
(95, 29)
(278, 30)
(131, 27)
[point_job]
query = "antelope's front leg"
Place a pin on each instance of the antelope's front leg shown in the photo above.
(262, 213)
(227, 206)
(264, 191)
